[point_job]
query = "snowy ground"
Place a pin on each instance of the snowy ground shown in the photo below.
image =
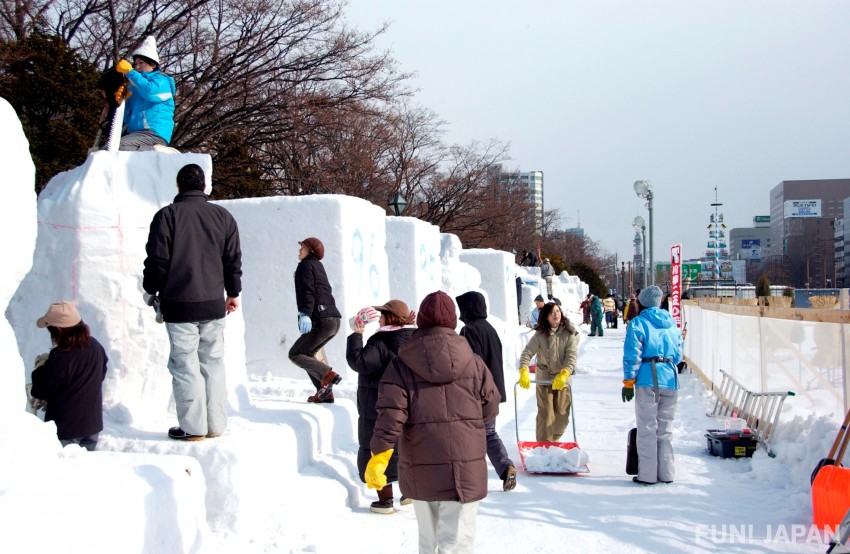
(294, 468)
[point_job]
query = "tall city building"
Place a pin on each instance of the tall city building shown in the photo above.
(803, 215)
(533, 182)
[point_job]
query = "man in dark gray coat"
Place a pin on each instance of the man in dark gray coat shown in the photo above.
(193, 259)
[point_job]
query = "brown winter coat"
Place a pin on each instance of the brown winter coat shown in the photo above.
(434, 399)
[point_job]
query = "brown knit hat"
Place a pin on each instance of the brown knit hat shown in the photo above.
(397, 308)
(315, 245)
(437, 310)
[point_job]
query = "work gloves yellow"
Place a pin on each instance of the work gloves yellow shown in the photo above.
(123, 67)
(562, 379)
(376, 468)
(524, 377)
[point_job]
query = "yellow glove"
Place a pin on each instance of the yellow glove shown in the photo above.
(524, 378)
(122, 93)
(562, 379)
(123, 67)
(374, 474)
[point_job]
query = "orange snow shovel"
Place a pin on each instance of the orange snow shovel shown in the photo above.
(831, 486)
(839, 438)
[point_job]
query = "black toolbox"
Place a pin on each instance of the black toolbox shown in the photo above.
(731, 444)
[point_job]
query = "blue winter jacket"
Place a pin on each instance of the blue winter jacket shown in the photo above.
(151, 106)
(652, 333)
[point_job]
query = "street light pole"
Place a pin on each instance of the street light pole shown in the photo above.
(644, 190)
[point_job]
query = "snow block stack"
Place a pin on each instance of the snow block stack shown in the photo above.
(458, 276)
(93, 224)
(19, 225)
(413, 248)
(354, 235)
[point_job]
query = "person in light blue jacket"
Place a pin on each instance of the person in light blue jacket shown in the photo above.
(149, 110)
(652, 348)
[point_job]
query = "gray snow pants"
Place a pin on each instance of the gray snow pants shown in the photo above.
(141, 141)
(197, 371)
(654, 430)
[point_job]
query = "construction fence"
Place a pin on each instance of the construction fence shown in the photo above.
(774, 349)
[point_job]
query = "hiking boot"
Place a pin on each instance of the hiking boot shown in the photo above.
(405, 501)
(330, 379)
(179, 434)
(382, 506)
(509, 480)
(639, 482)
(314, 399)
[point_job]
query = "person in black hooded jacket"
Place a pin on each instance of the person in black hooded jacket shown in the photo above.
(484, 341)
(370, 361)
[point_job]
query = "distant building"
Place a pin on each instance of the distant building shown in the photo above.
(751, 245)
(533, 182)
(803, 217)
(842, 249)
(639, 268)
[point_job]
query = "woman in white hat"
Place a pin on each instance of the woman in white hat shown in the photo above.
(70, 380)
(149, 113)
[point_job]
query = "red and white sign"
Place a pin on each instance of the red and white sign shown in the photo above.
(676, 284)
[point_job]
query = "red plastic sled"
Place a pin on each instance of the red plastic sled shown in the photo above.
(525, 447)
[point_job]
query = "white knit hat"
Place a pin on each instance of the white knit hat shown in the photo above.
(148, 50)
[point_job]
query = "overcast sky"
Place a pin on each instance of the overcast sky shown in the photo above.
(690, 95)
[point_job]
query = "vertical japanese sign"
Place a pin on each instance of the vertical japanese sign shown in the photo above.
(676, 283)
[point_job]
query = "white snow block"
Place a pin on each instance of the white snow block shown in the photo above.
(353, 232)
(93, 224)
(109, 502)
(458, 276)
(18, 225)
(413, 248)
(496, 269)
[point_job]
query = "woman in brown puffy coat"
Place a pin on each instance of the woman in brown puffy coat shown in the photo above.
(434, 399)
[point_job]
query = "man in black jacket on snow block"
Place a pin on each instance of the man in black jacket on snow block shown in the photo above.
(194, 258)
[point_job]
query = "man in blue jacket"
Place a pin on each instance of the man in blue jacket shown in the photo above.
(651, 351)
(149, 110)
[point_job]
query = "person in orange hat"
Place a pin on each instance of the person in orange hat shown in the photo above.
(70, 380)
(318, 319)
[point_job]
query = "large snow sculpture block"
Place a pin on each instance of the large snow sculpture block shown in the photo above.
(18, 225)
(413, 248)
(458, 276)
(496, 268)
(93, 224)
(353, 233)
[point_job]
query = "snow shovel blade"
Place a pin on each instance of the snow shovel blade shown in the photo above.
(830, 496)
(842, 438)
(821, 464)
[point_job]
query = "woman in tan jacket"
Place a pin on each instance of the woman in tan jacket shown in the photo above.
(556, 346)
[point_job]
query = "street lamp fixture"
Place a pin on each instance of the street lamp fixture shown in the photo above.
(640, 225)
(398, 204)
(644, 190)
